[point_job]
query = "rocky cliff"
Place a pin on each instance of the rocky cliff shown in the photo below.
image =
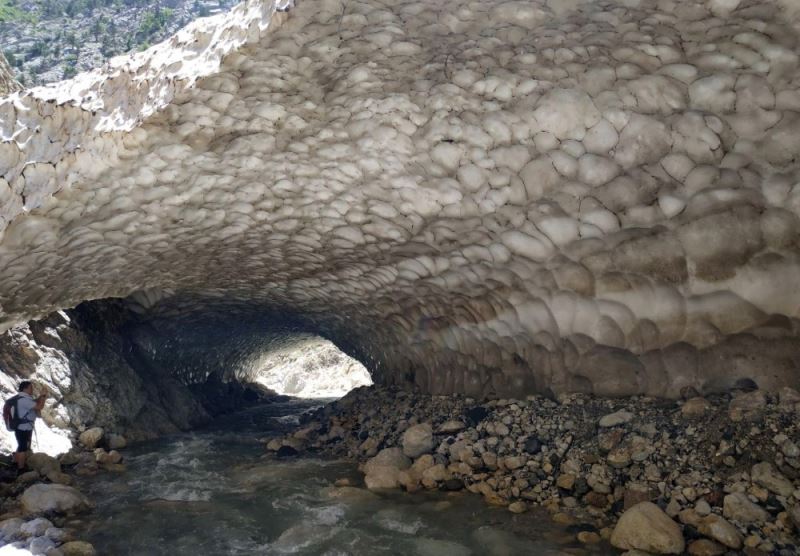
(7, 82)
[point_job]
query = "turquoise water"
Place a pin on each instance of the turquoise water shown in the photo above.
(214, 492)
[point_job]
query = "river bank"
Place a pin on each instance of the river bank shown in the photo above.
(712, 475)
(707, 475)
(214, 491)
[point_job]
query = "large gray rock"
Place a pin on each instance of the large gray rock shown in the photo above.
(53, 498)
(36, 527)
(10, 528)
(418, 440)
(646, 527)
(41, 546)
(738, 507)
(57, 534)
(383, 471)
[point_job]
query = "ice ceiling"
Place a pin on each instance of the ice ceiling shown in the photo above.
(476, 196)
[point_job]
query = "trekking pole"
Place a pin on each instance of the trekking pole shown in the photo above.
(35, 435)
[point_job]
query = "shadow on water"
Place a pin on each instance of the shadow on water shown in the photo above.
(213, 492)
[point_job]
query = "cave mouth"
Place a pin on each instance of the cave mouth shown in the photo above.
(147, 371)
(309, 366)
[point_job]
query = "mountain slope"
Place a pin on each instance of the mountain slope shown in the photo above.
(50, 40)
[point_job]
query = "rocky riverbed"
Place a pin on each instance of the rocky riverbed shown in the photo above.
(704, 475)
(38, 506)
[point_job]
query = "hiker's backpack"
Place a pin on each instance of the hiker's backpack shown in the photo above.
(10, 418)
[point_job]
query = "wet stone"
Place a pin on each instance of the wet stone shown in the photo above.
(706, 547)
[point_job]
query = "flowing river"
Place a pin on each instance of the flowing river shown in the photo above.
(213, 492)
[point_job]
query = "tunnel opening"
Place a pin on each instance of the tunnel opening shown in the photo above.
(145, 370)
(308, 366)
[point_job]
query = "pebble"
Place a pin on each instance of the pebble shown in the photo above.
(519, 454)
(589, 537)
(566, 481)
(615, 419)
(705, 547)
(702, 508)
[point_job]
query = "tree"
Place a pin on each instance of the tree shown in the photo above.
(72, 40)
(98, 28)
(199, 9)
(68, 70)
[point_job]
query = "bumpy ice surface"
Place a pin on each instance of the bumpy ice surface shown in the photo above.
(480, 197)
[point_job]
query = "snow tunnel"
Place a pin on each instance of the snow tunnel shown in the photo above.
(478, 198)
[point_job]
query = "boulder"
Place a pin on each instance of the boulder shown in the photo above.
(77, 548)
(91, 438)
(274, 444)
(115, 467)
(705, 547)
(383, 470)
(47, 498)
(43, 463)
(28, 477)
(418, 440)
(102, 457)
(588, 537)
(434, 475)
(719, 529)
(116, 441)
(70, 458)
(764, 474)
(57, 534)
(10, 528)
(695, 407)
(41, 545)
(645, 527)
(59, 477)
(295, 444)
(35, 527)
(747, 406)
(738, 507)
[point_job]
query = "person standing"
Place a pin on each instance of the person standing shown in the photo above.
(26, 410)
